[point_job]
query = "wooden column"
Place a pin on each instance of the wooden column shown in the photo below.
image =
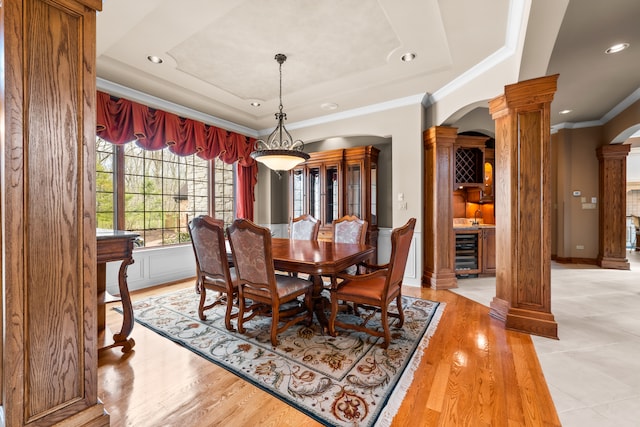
(438, 239)
(523, 207)
(612, 160)
(49, 350)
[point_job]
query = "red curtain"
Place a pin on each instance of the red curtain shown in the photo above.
(120, 121)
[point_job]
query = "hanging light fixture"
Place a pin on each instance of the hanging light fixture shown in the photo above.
(280, 152)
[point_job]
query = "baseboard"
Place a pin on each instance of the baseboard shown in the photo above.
(571, 260)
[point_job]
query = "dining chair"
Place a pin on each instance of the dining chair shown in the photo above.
(269, 292)
(212, 266)
(304, 227)
(376, 290)
(350, 229)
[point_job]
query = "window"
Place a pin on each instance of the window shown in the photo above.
(105, 196)
(161, 192)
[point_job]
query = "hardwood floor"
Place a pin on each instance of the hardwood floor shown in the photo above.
(474, 373)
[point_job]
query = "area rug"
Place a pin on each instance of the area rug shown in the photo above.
(348, 380)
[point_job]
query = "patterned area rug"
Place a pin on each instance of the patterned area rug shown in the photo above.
(348, 380)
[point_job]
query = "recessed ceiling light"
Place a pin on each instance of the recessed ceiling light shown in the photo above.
(329, 106)
(154, 59)
(255, 103)
(565, 111)
(408, 57)
(617, 48)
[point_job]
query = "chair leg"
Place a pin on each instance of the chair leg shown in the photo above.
(400, 311)
(203, 298)
(333, 315)
(308, 302)
(385, 326)
(241, 304)
(275, 320)
(227, 314)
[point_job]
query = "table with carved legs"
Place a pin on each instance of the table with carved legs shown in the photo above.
(114, 245)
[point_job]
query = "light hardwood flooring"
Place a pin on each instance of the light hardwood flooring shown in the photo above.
(473, 373)
(593, 369)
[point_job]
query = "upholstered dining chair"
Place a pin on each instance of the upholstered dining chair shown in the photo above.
(350, 229)
(304, 227)
(212, 266)
(257, 281)
(376, 290)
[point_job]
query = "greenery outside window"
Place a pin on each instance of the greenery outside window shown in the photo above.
(161, 192)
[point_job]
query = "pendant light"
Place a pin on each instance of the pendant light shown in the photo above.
(280, 152)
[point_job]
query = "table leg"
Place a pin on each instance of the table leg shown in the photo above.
(319, 302)
(127, 310)
(120, 338)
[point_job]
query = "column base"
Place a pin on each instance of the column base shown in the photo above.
(439, 281)
(527, 321)
(614, 263)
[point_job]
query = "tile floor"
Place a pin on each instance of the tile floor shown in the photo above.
(593, 370)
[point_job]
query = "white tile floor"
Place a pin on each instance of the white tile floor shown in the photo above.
(593, 370)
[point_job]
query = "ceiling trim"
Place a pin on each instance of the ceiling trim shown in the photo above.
(356, 112)
(620, 107)
(514, 25)
(623, 105)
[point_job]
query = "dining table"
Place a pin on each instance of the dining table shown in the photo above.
(318, 259)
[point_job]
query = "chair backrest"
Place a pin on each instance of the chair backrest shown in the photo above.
(252, 256)
(349, 229)
(400, 243)
(304, 227)
(207, 240)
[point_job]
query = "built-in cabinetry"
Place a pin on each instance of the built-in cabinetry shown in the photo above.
(468, 253)
(489, 251)
(473, 170)
(489, 176)
(469, 161)
(475, 252)
(335, 183)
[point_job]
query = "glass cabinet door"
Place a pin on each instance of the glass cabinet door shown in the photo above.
(298, 193)
(332, 194)
(354, 189)
(314, 192)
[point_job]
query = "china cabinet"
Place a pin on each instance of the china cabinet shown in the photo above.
(335, 183)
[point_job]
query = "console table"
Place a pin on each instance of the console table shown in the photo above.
(114, 245)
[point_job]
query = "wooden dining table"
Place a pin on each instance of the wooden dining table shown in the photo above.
(318, 258)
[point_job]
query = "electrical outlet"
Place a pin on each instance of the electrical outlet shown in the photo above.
(579, 246)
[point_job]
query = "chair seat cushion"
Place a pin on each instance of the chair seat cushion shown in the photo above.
(369, 289)
(287, 286)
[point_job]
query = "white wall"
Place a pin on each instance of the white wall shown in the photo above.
(633, 165)
(153, 267)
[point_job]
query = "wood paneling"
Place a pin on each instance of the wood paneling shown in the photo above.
(49, 349)
(523, 206)
(612, 209)
(438, 239)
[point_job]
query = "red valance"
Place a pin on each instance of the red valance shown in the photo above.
(120, 121)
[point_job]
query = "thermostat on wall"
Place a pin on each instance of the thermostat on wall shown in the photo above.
(576, 193)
